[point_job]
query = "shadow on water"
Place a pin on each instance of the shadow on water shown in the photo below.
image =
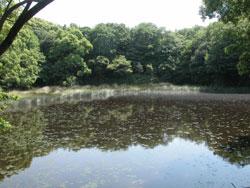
(115, 121)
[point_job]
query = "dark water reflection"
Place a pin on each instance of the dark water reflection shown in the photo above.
(141, 140)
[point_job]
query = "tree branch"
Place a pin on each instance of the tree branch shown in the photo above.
(22, 19)
(9, 11)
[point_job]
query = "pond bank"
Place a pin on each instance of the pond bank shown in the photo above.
(48, 96)
(164, 87)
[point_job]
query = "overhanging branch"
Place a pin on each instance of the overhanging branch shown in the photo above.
(24, 17)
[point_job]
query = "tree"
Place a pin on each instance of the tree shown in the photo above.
(167, 55)
(65, 58)
(46, 33)
(145, 39)
(20, 65)
(226, 10)
(86, 31)
(193, 66)
(22, 16)
(109, 40)
(237, 12)
(242, 46)
(222, 64)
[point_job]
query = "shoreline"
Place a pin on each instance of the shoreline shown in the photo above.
(161, 87)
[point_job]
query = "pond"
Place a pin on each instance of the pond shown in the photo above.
(127, 140)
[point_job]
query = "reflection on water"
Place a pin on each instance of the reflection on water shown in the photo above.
(121, 139)
(103, 94)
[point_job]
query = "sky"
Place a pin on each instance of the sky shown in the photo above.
(171, 14)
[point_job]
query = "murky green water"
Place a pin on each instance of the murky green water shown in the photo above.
(130, 140)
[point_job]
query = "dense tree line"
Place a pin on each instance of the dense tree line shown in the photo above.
(49, 54)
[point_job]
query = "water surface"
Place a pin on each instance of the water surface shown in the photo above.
(127, 140)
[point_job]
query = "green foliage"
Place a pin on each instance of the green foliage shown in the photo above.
(65, 53)
(166, 71)
(144, 40)
(109, 40)
(20, 65)
(3, 6)
(227, 10)
(211, 56)
(222, 66)
(86, 31)
(168, 56)
(4, 124)
(5, 97)
(137, 67)
(99, 66)
(244, 64)
(149, 69)
(120, 67)
(237, 12)
(112, 53)
(242, 46)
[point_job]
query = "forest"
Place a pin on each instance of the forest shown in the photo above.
(46, 54)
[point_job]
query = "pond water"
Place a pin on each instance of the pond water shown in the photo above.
(127, 140)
